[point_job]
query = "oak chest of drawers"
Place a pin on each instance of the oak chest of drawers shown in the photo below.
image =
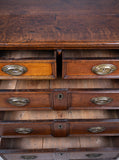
(59, 80)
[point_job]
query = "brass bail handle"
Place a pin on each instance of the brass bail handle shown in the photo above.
(94, 155)
(103, 69)
(101, 100)
(97, 129)
(24, 130)
(28, 157)
(14, 70)
(18, 101)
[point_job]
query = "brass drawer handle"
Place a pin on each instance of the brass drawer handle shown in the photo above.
(97, 129)
(28, 157)
(18, 101)
(14, 70)
(23, 130)
(94, 155)
(104, 69)
(101, 100)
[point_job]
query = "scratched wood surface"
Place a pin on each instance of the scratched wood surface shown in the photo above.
(59, 24)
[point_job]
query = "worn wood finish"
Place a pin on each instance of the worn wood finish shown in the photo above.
(59, 24)
(78, 64)
(59, 124)
(48, 99)
(44, 94)
(51, 128)
(61, 155)
(54, 148)
(39, 64)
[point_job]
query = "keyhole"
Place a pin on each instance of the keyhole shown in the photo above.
(60, 126)
(61, 154)
(60, 96)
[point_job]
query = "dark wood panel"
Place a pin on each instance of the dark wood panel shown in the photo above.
(59, 24)
(59, 128)
(90, 54)
(59, 99)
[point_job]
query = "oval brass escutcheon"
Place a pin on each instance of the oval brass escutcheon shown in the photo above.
(14, 70)
(28, 157)
(101, 100)
(104, 69)
(60, 96)
(24, 130)
(94, 155)
(18, 101)
(97, 129)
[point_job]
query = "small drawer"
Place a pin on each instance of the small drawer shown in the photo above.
(28, 64)
(59, 94)
(76, 148)
(59, 124)
(90, 64)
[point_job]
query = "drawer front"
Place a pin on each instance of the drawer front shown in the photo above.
(76, 155)
(26, 100)
(100, 127)
(80, 69)
(72, 99)
(93, 99)
(27, 69)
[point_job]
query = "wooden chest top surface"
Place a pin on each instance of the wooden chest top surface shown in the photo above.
(59, 24)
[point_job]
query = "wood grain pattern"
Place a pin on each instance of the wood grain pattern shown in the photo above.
(47, 123)
(59, 24)
(90, 53)
(43, 94)
(38, 69)
(39, 64)
(78, 64)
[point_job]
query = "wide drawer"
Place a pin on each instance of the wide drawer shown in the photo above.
(59, 94)
(90, 64)
(59, 123)
(28, 64)
(75, 148)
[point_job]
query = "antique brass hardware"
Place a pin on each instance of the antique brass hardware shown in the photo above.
(60, 96)
(28, 157)
(94, 155)
(101, 100)
(97, 129)
(14, 70)
(18, 101)
(104, 69)
(24, 130)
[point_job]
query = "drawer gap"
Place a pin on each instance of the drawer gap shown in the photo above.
(72, 142)
(59, 84)
(26, 54)
(91, 54)
(50, 115)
